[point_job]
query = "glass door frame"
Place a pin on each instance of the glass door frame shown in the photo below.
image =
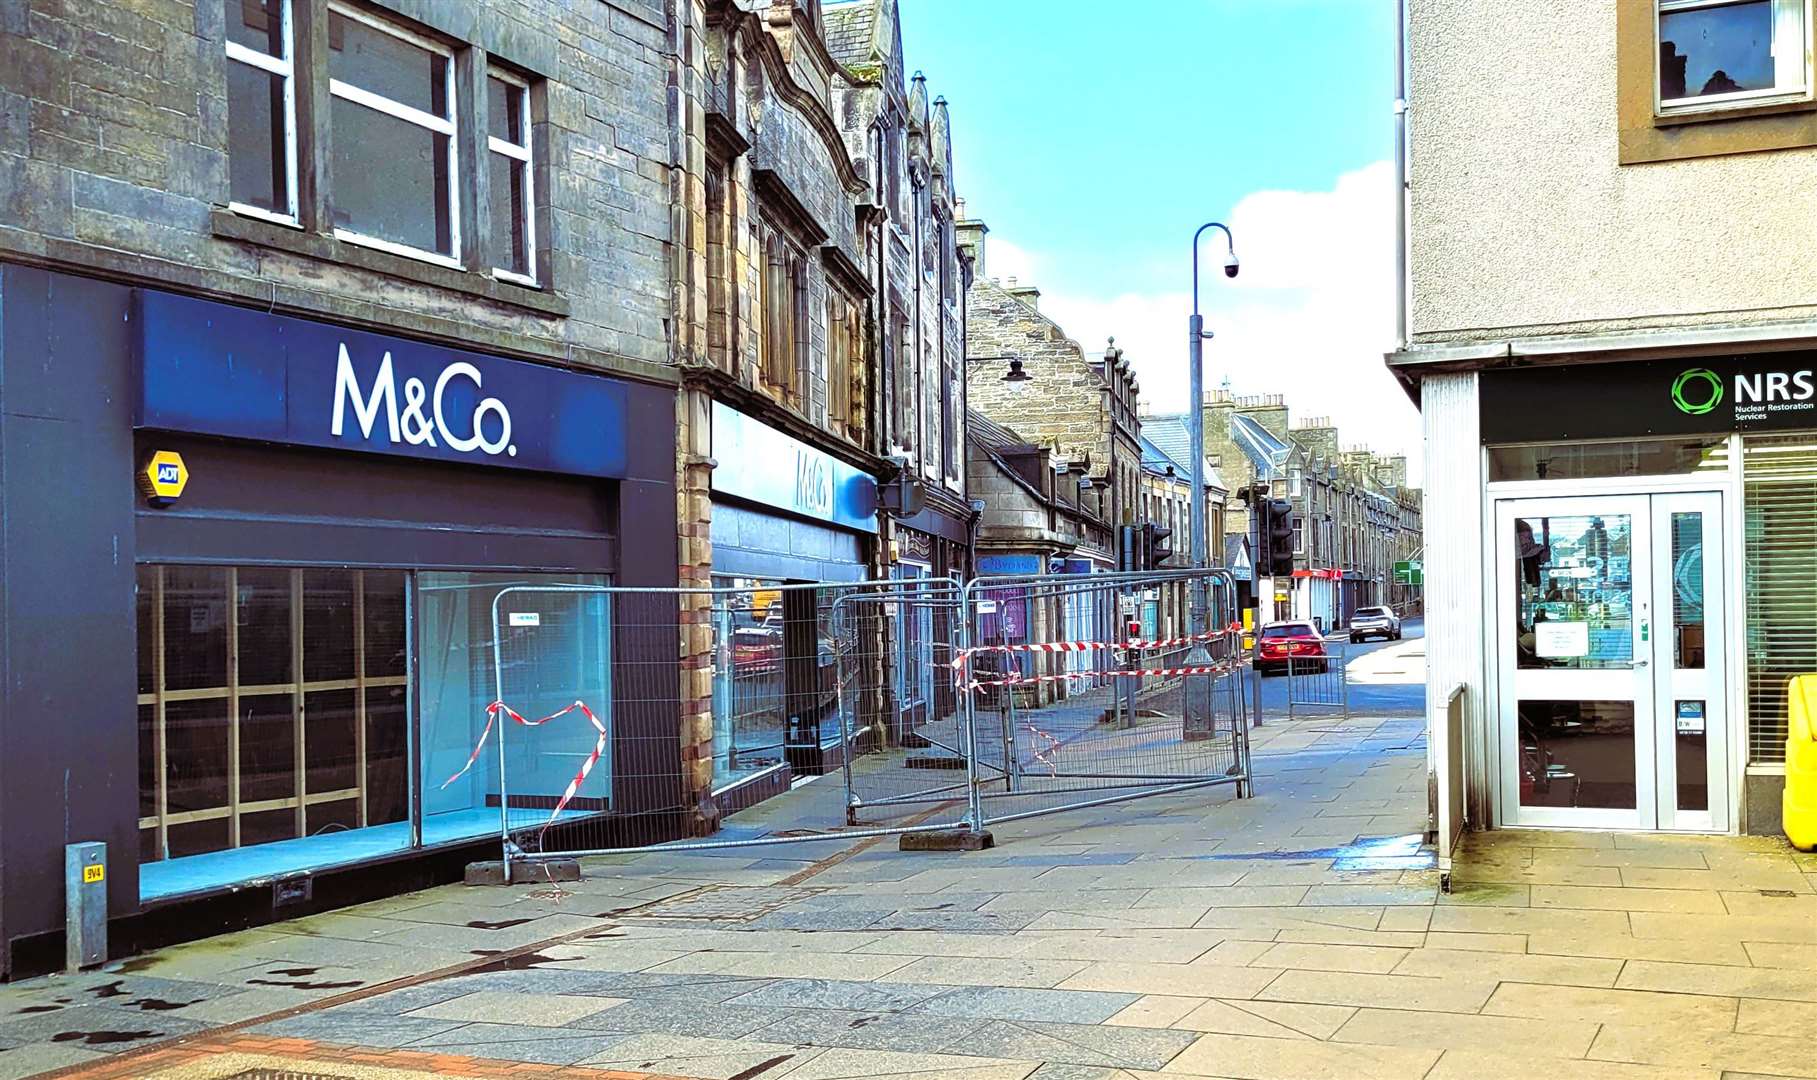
(1633, 683)
(1727, 664)
(1711, 684)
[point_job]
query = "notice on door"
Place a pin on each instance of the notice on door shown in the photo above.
(1561, 640)
(1690, 718)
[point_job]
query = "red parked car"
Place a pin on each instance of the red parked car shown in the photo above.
(1299, 642)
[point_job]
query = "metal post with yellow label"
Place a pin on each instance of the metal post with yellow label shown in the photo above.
(85, 905)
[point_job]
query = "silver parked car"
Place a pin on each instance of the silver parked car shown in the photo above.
(1375, 622)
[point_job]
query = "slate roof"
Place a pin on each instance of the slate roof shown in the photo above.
(1158, 460)
(850, 30)
(992, 435)
(1168, 435)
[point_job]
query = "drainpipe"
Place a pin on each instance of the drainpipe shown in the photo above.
(1403, 329)
(916, 188)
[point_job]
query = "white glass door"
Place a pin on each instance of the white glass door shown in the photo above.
(1575, 684)
(1612, 678)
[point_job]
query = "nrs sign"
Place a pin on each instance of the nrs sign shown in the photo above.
(1634, 399)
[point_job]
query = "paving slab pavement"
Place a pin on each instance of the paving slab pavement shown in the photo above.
(1300, 933)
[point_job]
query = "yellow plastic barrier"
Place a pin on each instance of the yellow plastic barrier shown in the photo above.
(1800, 803)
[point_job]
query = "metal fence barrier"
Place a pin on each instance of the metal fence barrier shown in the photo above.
(1319, 685)
(755, 713)
(1062, 719)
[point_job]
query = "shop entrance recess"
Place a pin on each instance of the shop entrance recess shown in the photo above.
(1612, 680)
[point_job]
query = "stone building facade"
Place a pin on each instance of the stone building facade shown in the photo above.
(918, 314)
(1081, 406)
(1354, 514)
(506, 283)
(1040, 516)
(1603, 375)
(378, 301)
(820, 295)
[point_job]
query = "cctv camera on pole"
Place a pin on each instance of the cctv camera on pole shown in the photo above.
(1196, 716)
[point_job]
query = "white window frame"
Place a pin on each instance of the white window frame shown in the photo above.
(1791, 39)
(444, 126)
(526, 155)
(284, 67)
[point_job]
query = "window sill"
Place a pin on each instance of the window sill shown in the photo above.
(1719, 113)
(232, 226)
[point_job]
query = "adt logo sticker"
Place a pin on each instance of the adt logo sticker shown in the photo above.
(1697, 391)
(164, 477)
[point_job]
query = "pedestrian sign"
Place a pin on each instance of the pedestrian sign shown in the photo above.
(1409, 572)
(164, 476)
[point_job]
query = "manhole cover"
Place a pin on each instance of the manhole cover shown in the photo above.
(721, 903)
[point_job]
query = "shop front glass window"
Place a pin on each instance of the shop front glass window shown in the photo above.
(1574, 591)
(1626, 457)
(749, 716)
(916, 635)
(273, 721)
(544, 646)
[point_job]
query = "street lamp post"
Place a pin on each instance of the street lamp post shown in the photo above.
(1196, 710)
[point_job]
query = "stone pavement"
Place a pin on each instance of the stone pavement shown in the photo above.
(1299, 934)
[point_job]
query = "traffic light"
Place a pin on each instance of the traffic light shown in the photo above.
(1129, 539)
(1157, 546)
(1280, 537)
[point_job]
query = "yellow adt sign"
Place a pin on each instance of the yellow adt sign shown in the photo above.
(164, 476)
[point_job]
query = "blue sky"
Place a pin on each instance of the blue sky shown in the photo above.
(1094, 138)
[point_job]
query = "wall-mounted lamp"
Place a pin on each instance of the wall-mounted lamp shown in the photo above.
(1015, 373)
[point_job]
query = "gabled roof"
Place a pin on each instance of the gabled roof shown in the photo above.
(1259, 445)
(1169, 437)
(1236, 557)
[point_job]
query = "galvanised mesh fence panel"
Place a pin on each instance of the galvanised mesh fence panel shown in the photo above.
(1073, 705)
(1317, 680)
(754, 713)
(622, 719)
(918, 758)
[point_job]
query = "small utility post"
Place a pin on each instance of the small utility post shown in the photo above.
(1196, 690)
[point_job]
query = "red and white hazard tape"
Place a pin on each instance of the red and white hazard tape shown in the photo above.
(1111, 673)
(586, 767)
(962, 655)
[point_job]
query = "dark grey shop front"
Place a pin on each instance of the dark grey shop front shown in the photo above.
(271, 675)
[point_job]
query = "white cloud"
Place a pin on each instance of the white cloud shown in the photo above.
(1310, 315)
(1005, 259)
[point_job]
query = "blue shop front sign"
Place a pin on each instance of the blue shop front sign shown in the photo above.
(754, 461)
(215, 369)
(1006, 565)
